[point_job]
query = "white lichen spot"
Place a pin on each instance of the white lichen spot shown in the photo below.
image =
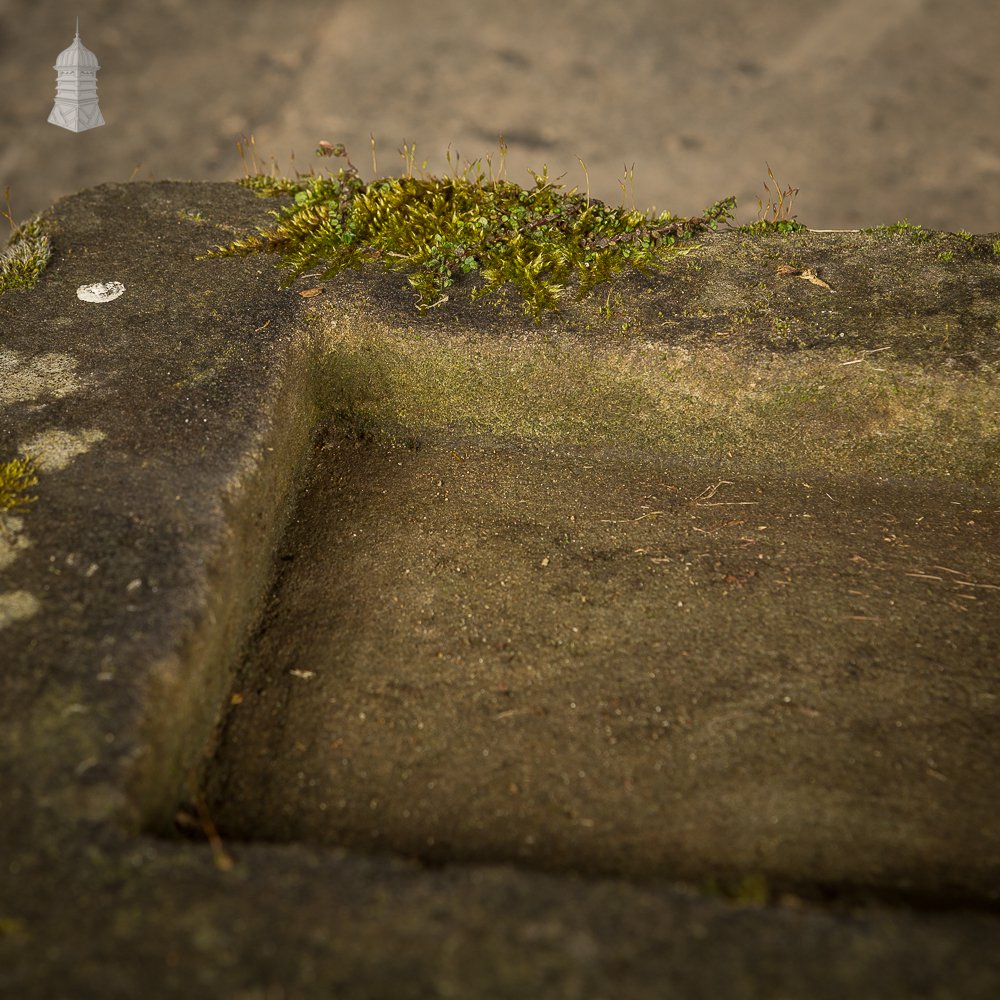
(17, 605)
(55, 449)
(24, 379)
(102, 291)
(11, 541)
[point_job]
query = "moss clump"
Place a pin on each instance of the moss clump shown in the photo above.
(540, 240)
(16, 477)
(25, 257)
(763, 227)
(916, 234)
(267, 186)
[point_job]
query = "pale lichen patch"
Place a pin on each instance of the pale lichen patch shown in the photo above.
(16, 605)
(23, 378)
(11, 540)
(55, 449)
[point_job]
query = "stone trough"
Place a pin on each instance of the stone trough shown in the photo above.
(349, 651)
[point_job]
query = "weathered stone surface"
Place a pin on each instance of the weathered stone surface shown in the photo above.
(176, 425)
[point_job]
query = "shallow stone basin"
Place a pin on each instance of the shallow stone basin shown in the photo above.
(764, 762)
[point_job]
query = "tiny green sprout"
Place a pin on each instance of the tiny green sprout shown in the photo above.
(946, 255)
(996, 248)
(267, 185)
(778, 207)
(541, 240)
(774, 215)
(968, 237)
(17, 476)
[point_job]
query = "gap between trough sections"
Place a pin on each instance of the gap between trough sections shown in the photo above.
(188, 690)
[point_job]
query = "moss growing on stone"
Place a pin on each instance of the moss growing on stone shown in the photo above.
(17, 476)
(27, 253)
(766, 227)
(268, 186)
(916, 234)
(542, 241)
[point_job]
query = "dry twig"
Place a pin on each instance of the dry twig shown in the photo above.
(806, 273)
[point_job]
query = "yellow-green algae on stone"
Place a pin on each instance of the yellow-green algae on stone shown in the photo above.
(804, 409)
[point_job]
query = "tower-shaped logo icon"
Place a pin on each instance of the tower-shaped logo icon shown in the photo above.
(76, 88)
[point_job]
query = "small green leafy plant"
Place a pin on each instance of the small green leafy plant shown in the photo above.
(541, 240)
(17, 476)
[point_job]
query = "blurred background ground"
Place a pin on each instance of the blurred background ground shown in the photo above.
(877, 111)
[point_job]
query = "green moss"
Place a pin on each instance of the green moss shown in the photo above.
(267, 186)
(962, 242)
(916, 234)
(541, 241)
(766, 226)
(27, 253)
(16, 477)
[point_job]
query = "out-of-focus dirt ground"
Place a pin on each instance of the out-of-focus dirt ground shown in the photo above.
(875, 111)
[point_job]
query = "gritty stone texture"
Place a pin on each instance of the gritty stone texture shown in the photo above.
(55, 449)
(15, 605)
(26, 377)
(152, 560)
